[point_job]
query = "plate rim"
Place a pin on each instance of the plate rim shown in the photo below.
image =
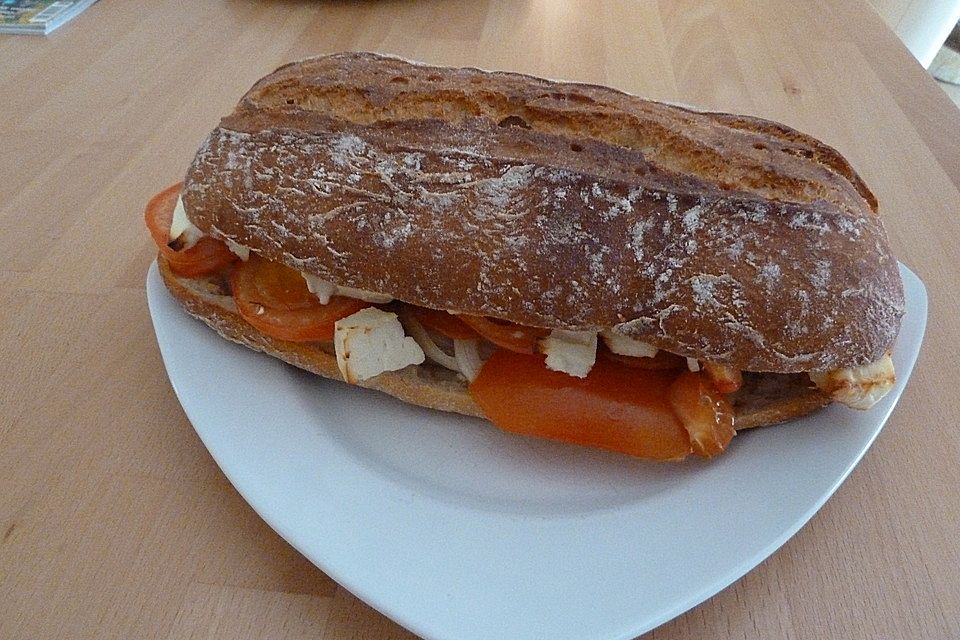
(423, 627)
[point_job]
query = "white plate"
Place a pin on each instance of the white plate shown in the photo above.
(456, 530)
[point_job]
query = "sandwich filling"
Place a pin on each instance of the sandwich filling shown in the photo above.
(673, 405)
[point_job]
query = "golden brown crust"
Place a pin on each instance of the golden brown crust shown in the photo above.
(765, 399)
(720, 237)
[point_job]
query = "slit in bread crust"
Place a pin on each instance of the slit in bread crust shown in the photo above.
(478, 218)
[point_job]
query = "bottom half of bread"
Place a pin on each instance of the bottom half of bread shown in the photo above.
(764, 399)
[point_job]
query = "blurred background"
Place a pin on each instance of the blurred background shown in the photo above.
(929, 29)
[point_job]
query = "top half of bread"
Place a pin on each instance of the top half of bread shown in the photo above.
(721, 237)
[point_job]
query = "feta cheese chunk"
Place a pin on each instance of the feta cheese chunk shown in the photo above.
(627, 346)
(237, 249)
(370, 342)
(181, 226)
(572, 352)
(858, 387)
(324, 290)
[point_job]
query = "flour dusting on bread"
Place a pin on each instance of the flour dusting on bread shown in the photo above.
(476, 196)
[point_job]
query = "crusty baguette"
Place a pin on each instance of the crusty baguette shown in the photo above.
(765, 399)
(720, 237)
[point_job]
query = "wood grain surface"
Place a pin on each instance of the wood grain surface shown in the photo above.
(114, 520)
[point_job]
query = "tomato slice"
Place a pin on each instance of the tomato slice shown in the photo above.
(443, 322)
(615, 407)
(274, 299)
(704, 411)
(206, 257)
(159, 213)
(506, 335)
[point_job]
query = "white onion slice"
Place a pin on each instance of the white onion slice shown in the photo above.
(627, 346)
(468, 357)
(430, 348)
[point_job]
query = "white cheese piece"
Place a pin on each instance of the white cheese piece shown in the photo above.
(370, 342)
(858, 387)
(324, 290)
(181, 226)
(238, 250)
(693, 364)
(572, 352)
(627, 346)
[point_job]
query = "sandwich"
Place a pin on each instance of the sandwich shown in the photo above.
(564, 260)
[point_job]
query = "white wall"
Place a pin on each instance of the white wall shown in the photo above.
(923, 25)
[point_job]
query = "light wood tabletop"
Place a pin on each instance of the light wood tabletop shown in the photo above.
(114, 520)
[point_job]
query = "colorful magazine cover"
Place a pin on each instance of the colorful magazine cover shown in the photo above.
(38, 16)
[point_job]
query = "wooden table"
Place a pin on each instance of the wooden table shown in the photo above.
(114, 520)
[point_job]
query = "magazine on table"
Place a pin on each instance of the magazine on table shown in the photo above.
(38, 16)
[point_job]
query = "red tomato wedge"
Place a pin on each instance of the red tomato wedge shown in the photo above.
(615, 407)
(206, 257)
(506, 335)
(159, 214)
(443, 322)
(705, 413)
(274, 299)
